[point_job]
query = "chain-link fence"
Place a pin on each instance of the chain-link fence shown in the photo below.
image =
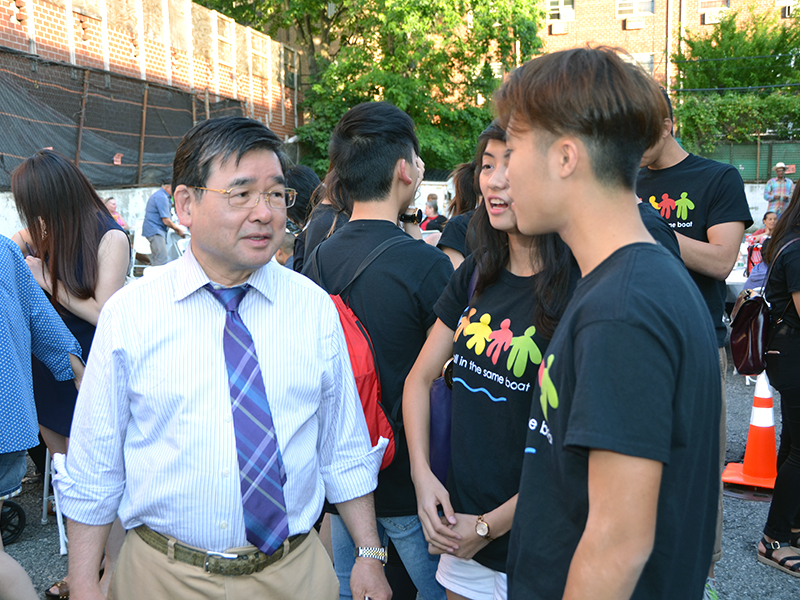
(120, 131)
(755, 161)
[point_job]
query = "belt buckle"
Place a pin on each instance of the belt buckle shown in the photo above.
(225, 555)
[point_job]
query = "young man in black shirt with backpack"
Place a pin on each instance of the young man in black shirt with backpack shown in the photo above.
(376, 155)
(618, 491)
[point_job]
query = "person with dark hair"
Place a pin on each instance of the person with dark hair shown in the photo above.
(704, 202)
(198, 429)
(375, 153)
(521, 287)
(617, 496)
(330, 209)
(78, 255)
(30, 327)
(454, 240)
(433, 220)
(780, 546)
(157, 219)
(111, 205)
(770, 219)
(304, 181)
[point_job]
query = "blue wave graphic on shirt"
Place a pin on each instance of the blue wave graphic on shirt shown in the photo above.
(484, 390)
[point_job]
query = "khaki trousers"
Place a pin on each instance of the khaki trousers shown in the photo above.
(143, 572)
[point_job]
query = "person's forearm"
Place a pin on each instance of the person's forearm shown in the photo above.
(705, 258)
(602, 570)
(502, 517)
(86, 543)
(417, 420)
(358, 515)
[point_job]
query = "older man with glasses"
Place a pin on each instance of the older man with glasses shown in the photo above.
(217, 437)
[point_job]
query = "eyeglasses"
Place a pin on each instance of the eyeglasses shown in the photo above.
(244, 198)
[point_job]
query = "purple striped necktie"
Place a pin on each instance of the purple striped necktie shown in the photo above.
(260, 464)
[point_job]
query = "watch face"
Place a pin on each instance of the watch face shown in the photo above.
(482, 529)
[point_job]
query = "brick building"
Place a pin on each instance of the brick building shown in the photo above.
(649, 30)
(172, 43)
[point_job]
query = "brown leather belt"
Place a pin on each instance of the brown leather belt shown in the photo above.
(219, 563)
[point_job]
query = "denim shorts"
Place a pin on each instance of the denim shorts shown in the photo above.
(13, 467)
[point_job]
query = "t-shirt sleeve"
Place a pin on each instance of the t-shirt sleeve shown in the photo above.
(454, 234)
(454, 297)
(623, 392)
(730, 203)
(791, 267)
(431, 287)
(162, 204)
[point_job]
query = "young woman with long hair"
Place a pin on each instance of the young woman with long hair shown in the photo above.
(521, 287)
(780, 546)
(454, 241)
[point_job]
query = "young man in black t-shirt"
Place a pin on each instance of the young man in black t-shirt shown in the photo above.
(618, 491)
(376, 155)
(705, 204)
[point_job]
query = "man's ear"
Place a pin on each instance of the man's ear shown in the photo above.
(567, 151)
(403, 170)
(667, 129)
(184, 203)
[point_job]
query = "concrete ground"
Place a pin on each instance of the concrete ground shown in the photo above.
(739, 575)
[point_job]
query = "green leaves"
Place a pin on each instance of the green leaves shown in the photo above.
(438, 60)
(748, 51)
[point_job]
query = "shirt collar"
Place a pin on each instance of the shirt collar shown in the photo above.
(190, 277)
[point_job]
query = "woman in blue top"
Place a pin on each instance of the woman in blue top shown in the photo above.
(521, 287)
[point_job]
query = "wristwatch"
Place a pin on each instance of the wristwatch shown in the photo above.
(415, 218)
(380, 554)
(482, 529)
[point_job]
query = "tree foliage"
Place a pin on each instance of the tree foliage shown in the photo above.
(750, 50)
(438, 60)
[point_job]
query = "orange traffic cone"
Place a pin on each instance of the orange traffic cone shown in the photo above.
(759, 468)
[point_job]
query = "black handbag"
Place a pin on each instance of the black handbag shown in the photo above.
(750, 326)
(441, 398)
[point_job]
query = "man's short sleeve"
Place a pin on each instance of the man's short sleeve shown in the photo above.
(729, 203)
(623, 392)
(162, 204)
(432, 286)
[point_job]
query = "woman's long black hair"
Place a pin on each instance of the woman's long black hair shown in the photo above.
(549, 254)
(788, 223)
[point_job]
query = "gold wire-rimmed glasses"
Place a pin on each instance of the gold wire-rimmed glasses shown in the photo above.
(244, 198)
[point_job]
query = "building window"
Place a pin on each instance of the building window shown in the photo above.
(704, 4)
(225, 33)
(645, 61)
(561, 10)
(289, 67)
(635, 8)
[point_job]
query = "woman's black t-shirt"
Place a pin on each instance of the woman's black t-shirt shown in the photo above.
(784, 281)
(497, 352)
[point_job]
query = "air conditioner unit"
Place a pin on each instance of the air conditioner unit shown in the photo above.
(559, 28)
(566, 14)
(713, 15)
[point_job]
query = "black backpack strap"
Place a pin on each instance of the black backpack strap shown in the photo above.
(380, 249)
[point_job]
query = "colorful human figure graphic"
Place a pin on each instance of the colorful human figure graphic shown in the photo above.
(684, 205)
(667, 206)
(653, 203)
(501, 340)
(523, 349)
(549, 395)
(463, 323)
(480, 333)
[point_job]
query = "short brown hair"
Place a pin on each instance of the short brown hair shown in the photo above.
(612, 105)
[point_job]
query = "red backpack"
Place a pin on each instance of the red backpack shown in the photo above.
(362, 356)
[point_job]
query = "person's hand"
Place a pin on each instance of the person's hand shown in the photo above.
(367, 580)
(37, 270)
(77, 369)
(470, 542)
(431, 494)
(420, 171)
(181, 232)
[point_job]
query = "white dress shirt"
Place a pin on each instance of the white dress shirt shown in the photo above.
(152, 438)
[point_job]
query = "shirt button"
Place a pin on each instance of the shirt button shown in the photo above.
(228, 418)
(223, 525)
(226, 472)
